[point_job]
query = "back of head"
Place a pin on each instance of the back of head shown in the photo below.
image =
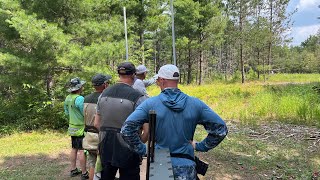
(126, 72)
(169, 72)
(100, 79)
(141, 69)
(126, 68)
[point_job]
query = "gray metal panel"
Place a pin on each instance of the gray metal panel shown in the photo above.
(161, 168)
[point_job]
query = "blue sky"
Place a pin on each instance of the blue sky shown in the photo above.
(305, 19)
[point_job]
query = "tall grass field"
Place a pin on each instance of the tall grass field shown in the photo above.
(287, 98)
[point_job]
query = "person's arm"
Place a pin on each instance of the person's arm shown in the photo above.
(79, 103)
(149, 82)
(97, 118)
(145, 132)
(138, 85)
(131, 127)
(66, 110)
(215, 127)
(97, 121)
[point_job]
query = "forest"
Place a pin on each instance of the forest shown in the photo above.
(44, 43)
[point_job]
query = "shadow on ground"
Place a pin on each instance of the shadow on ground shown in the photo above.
(41, 166)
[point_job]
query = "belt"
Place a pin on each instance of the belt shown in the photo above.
(103, 128)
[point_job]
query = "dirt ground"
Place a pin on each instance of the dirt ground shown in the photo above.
(273, 132)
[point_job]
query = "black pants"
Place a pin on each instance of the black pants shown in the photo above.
(109, 172)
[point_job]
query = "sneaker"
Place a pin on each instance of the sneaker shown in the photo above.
(85, 176)
(75, 172)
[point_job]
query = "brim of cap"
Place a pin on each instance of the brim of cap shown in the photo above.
(141, 72)
(97, 84)
(156, 76)
(108, 77)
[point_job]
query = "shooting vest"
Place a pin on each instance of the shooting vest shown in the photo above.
(89, 111)
(115, 105)
(76, 121)
(91, 139)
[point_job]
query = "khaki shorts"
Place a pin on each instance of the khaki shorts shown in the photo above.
(92, 158)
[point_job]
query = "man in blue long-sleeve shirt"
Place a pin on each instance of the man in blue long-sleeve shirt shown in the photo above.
(177, 117)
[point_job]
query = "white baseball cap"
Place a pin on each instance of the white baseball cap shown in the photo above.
(168, 71)
(141, 69)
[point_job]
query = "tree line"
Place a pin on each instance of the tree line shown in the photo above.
(45, 42)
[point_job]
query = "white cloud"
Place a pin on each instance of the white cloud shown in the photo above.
(302, 33)
(306, 4)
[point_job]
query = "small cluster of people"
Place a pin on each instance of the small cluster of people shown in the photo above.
(118, 115)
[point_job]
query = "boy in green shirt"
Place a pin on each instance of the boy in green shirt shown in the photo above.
(73, 107)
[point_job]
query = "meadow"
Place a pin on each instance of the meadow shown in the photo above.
(274, 133)
(291, 100)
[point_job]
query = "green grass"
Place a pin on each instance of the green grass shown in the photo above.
(242, 157)
(24, 143)
(256, 102)
(35, 155)
(295, 78)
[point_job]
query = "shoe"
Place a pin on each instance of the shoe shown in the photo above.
(85, 176)
(75, 172)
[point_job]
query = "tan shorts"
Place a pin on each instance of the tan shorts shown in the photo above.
(92, 158)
